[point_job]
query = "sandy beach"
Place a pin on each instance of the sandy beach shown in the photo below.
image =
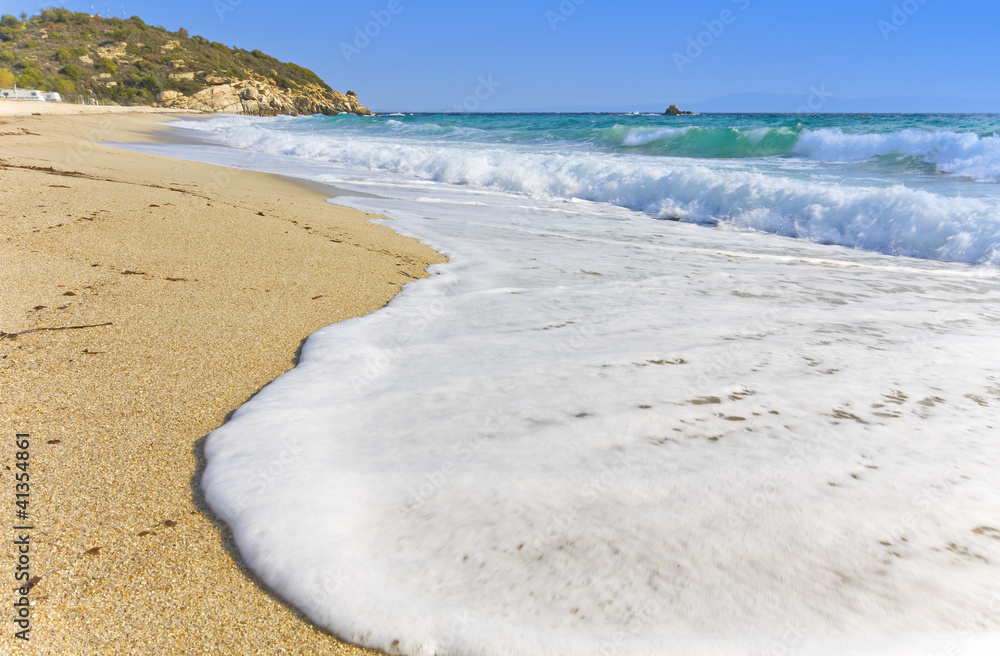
(144, 299)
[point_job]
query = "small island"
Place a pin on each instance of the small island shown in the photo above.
(674, 111)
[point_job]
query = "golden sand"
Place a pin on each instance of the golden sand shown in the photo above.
(209, 279)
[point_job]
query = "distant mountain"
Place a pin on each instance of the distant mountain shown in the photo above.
(819, 100)
(816, 100)
(131, 63)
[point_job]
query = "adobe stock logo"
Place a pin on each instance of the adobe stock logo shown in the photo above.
(372, 29)
(714, 28)
(817, 98)
(565, 9)
(487, 85)
(900, 16)
(223, 7)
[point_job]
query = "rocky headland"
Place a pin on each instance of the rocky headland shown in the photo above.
(92, 60)
(263, 98)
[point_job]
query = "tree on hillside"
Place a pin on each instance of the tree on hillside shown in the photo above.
(72, 71)
(7, 79)
(9, 27)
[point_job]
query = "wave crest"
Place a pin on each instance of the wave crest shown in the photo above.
(966, 153)
(892, 220)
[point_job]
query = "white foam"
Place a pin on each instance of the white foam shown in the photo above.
(594, 433)
(965, 154)
(641, 137)
(894, 220)
(757, 135)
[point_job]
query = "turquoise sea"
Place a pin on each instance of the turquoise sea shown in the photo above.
(917, 185)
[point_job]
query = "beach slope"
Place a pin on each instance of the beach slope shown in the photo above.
(144, 299)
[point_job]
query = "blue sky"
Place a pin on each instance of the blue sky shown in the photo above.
(440, 54)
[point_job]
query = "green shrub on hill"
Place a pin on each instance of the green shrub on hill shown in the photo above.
(72, 71)
(33, 78)
(132, 61)
(10, 28)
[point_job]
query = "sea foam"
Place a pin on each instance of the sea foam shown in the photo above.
(591, 432)
(966, 154)
(885, 218)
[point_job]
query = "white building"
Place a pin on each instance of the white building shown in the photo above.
(29, 94)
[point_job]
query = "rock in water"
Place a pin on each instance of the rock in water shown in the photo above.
(673, 110)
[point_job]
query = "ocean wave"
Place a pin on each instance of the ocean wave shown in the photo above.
(713, 143)
(643, 137)
(895, 220)
(967, 154)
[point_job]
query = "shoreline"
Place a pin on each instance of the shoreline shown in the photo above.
(201, 315)
(648, 357)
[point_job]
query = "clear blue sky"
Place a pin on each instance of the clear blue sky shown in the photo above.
(543, 53)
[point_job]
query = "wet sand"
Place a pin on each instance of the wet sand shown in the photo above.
(198, 283)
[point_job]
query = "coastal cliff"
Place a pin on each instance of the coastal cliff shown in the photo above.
(264, 98)
(90, 59)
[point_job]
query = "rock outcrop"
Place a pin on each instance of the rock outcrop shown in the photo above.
(263, 98)
(164, 96)
(674, 111)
